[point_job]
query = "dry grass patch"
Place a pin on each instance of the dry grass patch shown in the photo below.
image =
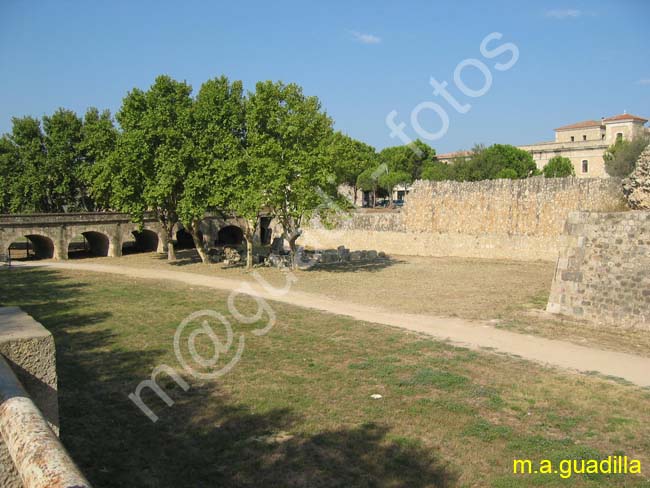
(513, 294)
(297, 409)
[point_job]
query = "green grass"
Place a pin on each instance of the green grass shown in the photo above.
(297, 409)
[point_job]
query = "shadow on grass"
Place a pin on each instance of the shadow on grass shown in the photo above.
(206, 438)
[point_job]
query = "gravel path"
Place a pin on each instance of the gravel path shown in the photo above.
(460, 332)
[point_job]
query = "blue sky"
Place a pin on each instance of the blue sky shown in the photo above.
(577, 60)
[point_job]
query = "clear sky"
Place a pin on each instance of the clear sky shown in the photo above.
(577, 59)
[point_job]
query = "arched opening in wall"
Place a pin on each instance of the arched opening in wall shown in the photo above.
(88, 244)
(32, 246)
(184, 239)
(143, 241)
(230, 235)
(265, 230)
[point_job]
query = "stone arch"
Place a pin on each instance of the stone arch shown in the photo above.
(230, 235)
(184, 239)
(146, 240)
(94, 244)
(42, 246)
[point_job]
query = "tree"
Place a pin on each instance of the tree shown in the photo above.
(506, 174)
(559, 167)
(8, 159)
(23, 157)
(438, 171)
(412, 159)
(368, 180)
(218, 132)
(99, 136)
(149, 166)
(392, 178)
(620, 158)
(63, 160)
(350, 158)
(488, 164)
(286, 137)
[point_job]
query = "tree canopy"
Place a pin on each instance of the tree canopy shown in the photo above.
(559, 167)
(350, 158)
(494, 162)
(286, 136)
(148, 169)
(620, 158)
(48, 167)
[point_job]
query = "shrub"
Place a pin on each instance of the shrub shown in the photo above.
(559, 167)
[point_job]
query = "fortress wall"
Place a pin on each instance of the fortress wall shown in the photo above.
(509, 219)
(603, 270)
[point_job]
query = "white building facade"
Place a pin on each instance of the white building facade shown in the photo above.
(584, 143)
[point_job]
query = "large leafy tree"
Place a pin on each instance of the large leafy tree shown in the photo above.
(491, 163)
(8, 160)
(148, 169)
(286, 137)
(99, 136)
(350, 158)
(392, 178)
(62, 168)
(368, 181)
(558, 167)
(438, 171)
(412, 159)
(47, 170)
(620, 158)
(22, 156)
(217, 140)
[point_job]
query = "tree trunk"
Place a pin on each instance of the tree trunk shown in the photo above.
(171, 252)
(374, 197)
(293, 248)
(249, 250)
(198, 242)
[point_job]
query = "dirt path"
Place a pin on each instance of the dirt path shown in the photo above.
(465, 333)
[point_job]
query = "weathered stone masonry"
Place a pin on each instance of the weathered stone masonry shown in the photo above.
(106, 232)
(506, 219)
(603, 272)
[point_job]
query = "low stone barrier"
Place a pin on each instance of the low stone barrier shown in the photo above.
(31, 455)
(603, 270)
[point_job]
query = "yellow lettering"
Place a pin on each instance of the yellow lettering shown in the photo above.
(545, 466)
(524, 466)
(565, 468)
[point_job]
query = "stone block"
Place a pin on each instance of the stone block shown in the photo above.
(29, 350)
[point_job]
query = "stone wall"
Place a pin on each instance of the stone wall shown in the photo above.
(603, 270)
(106, 232)
(509, 219)
(29, 349)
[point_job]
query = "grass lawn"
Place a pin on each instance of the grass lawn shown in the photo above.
(297, 409)
(511, 293)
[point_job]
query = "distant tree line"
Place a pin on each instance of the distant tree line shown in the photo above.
(178, 155)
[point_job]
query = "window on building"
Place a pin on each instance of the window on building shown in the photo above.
(585, 166)
(573, 138)
(619, 136)
(602, 137)
(584, 137)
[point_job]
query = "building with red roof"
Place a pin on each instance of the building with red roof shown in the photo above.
(584, 143)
